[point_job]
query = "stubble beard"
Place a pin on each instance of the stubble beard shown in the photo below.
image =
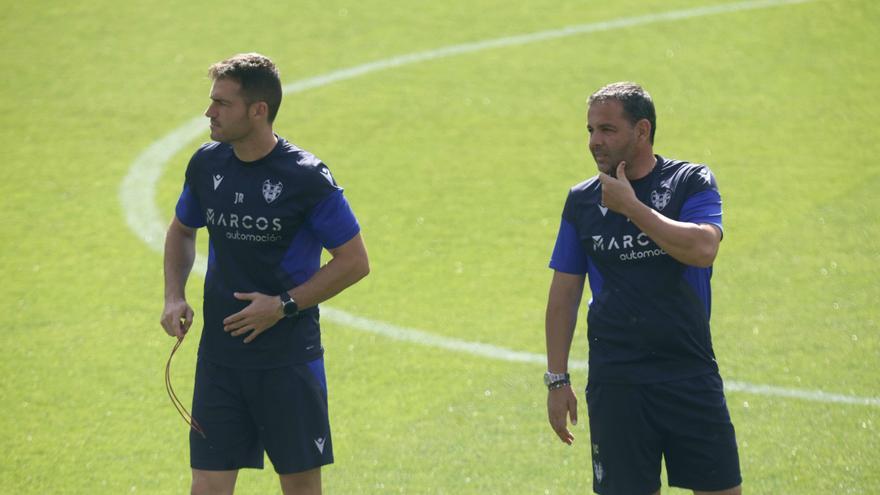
(608, 165)
(613, 159)
(222, 135)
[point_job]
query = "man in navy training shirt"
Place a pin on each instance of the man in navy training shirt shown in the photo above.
(270, 208)
(644, 232)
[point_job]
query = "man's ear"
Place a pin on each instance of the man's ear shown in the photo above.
(643, 128)
(259, 109)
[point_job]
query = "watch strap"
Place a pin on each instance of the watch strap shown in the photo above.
(558, 384)
(556, 380)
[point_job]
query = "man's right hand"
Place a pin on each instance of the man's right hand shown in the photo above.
(177, 317)
(560, 403)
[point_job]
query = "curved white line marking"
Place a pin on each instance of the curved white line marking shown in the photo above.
(142, 215)
(494, 352)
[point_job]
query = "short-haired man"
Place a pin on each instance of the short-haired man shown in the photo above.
(645, 232)
(269, 207)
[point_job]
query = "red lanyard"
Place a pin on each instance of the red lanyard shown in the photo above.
(191, 421)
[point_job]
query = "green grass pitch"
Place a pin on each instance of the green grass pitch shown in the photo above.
(457, 168)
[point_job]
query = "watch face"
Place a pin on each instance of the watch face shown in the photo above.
(290, 308)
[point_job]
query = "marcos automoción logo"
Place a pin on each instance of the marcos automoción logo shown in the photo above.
(247, 227)
(635, 244)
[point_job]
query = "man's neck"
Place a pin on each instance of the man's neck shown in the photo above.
(255, 146)
(642, 165)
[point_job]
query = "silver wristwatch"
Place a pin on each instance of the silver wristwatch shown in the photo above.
(556, 380)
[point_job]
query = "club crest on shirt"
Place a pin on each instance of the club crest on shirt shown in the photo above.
(271, 191)
(660, 198)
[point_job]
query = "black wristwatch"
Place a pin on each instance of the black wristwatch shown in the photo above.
(288, 305)
(556, 380)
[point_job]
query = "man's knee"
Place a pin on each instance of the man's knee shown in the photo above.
(213, 482)
(305, 483)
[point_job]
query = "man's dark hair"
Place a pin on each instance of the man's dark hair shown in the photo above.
(257, 76)
(637, 103)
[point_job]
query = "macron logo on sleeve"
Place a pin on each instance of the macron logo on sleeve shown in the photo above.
(706, 176)
(326, 173)
(319, 443)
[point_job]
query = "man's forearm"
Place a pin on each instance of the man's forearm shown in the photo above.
(180, 253)
(334, 277)
(559, 329)
(348, 265)
(560, 321)
(689, 243)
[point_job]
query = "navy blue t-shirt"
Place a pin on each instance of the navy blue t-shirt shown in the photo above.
(648, 319)
(267, 221)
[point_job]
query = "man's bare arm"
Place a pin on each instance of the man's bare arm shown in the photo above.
(180, 253)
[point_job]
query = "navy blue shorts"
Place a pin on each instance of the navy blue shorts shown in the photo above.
(686, 422)
(244, 412)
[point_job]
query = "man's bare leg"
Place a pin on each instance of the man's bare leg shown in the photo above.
(304, 483)
(213, 482)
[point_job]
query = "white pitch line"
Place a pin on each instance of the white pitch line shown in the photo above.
(136, 192)
(424, 338)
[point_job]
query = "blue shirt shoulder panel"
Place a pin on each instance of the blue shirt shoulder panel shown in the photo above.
(703, 207)
(569, 255)
(189, 209)
(333, 221)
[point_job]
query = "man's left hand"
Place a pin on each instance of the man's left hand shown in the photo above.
(617, 193)
(263, 312)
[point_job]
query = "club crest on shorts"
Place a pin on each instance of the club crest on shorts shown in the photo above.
(271, 191)
(660, 198)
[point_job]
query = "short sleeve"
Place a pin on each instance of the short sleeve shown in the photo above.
(703, 204)
(315, 181)
(699, 178)
(333, 221)
(189, 210)
(703, 207)
(568, 253)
